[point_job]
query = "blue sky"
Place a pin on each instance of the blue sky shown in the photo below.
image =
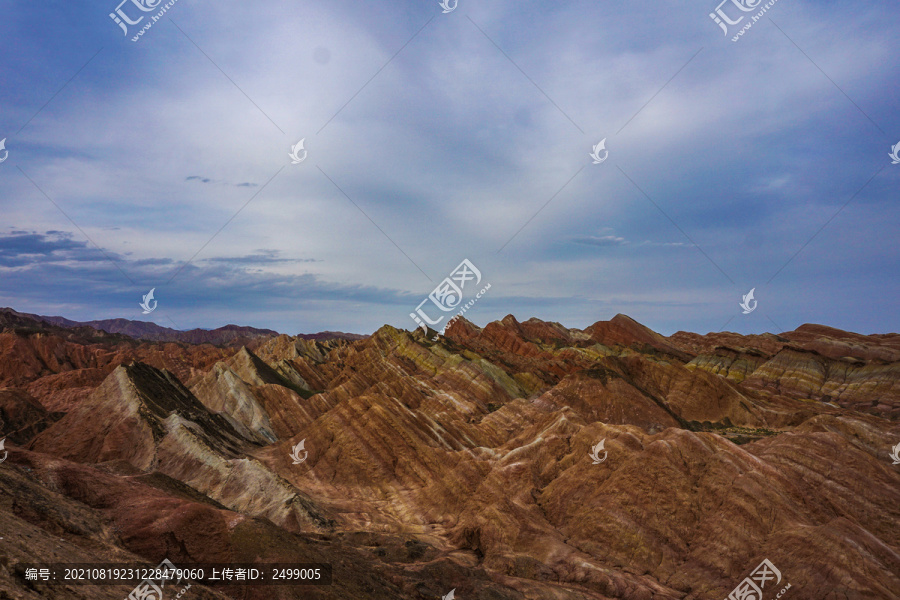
(432, 138)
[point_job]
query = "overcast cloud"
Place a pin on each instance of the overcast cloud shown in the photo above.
(427, 144)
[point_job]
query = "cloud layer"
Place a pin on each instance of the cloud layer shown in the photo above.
(437, 137)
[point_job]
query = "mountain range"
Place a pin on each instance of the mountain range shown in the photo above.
(521, 460)
(144, 330)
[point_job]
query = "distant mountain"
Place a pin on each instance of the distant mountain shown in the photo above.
(331, 335)
(229, 335)
(23, 323)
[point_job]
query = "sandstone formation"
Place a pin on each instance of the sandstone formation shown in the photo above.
(471, 462)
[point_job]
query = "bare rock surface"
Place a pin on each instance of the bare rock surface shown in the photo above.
(521, 460)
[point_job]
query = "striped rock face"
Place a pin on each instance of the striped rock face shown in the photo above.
(519, 460)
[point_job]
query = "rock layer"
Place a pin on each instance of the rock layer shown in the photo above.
(473, 461)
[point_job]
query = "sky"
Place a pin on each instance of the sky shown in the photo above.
(434, 134)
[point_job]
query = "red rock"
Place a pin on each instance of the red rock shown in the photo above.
(463, 462)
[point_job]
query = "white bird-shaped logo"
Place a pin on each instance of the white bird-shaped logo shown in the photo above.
(595, 452)
(5, 453)
(746, 303)
(450, 596)
(295, 453)
(295, 153)
(148, 298)
(895, 455)
(445, 4)
(6, 152)
(895, 154)
(596, 153)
